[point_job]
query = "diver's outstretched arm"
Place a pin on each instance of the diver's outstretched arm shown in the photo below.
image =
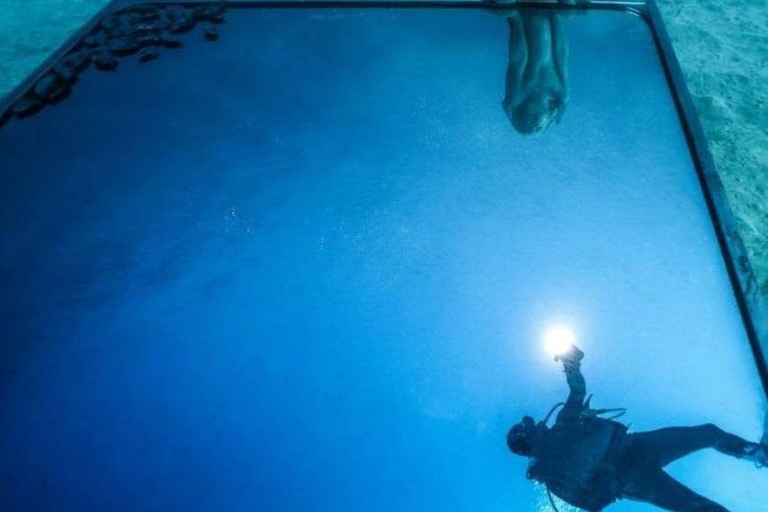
(572, 366)
(574, 405)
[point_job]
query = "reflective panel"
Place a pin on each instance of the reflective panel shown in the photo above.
(323, 259)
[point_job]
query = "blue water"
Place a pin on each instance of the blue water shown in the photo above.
(309, 267)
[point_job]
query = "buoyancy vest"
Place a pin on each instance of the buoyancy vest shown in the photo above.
(577, 462)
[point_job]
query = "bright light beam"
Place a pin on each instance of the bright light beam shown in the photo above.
(559, 340)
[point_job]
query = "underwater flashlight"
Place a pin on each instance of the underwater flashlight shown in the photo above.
(559, 340)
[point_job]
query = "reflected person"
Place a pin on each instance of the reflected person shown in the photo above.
(536, 86)
(590, 461)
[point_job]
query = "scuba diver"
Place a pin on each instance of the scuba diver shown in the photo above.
(589, 460)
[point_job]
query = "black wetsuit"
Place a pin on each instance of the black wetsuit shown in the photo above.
(591, 462)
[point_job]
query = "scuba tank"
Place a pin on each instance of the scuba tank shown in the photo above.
(573, 469)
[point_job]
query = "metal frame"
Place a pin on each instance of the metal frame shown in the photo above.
(746, 290)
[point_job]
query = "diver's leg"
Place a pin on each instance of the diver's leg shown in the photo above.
(660, 489)
(666, 445)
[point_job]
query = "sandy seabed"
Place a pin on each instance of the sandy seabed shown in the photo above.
(722, 46)
(723, 49)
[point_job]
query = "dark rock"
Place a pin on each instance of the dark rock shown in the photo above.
(218, 19)
(181, 21)
(211, 34)
(49, 84)
(149, 40)
(140, 29)
(111, 23)
(4, 118)
(26, 106)
(123, 46)
(74, 63)
(91, 41)
(146, 12)
(214, 13)
(181, 26)
(100, 38)
(148, 54)
(146, 28)
(122, 26)
(174, 12)
(171, 43)
(61, 93)
(105, 61)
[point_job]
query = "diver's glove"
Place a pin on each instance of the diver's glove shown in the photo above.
(571, 358)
